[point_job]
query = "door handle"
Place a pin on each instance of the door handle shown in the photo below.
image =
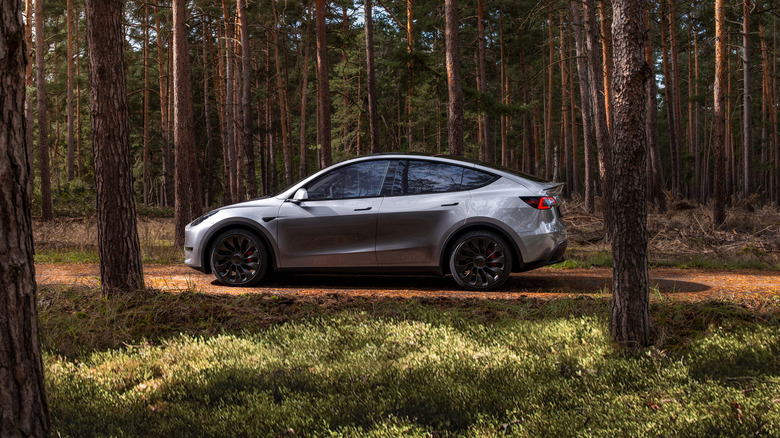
(450, 205)
(363, 209)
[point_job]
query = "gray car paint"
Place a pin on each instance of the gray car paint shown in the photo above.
(409, 230)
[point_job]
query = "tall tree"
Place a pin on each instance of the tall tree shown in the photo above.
(606, 37)
(719, 116)
(373, 119)
(118, 246)
(71, 140)
(454, 85)
(585, 107)
(28, 106)
(655, 176)
(167, 162)
(22, 388)
(747, 104)
(323, 87)
(207, 115)
(187, 206)
(286, 147)
(630, 323)
(487, 149)
(671, 114)
(43, 123)
(246, 104)
(599, 109)
(305, 40)
(232, 156)
(147, 185)
(548, 128)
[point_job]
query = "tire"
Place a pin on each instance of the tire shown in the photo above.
(239, 258)
(480, 260)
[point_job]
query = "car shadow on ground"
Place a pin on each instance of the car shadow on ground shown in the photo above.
(542, 282)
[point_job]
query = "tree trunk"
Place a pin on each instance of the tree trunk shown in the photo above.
(669, 100)
(675, 94)
(323, 87)
(146, 182)
(697, 165)
(246, 105)
(22, 387)
(486, 146)
(719, 116)
(529, 159)
(630, 323)
(286, 147)
(504, 92)
(454, 85)
(565, 110)
(28, 106)
(548, 165)
(118, 246)
(207, 117)
(599, 110)
(229, 106)
(606, 37)
(43, 124)
(373, 118)
(655, 177)
(69, 110)
(585, 96)
(167, 165)
(187, 205)
(747, 105)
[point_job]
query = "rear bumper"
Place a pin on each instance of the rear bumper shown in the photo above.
(556, 256)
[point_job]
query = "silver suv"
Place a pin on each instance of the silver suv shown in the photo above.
(388, 213)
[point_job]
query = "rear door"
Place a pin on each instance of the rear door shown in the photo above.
(423, 204)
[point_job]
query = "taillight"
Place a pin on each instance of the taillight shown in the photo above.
(540, 202)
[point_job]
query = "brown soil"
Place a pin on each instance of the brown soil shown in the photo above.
(682, 284)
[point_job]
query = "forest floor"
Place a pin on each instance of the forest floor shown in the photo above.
(676, 283)
(354, 356)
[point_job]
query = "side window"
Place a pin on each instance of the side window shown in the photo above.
(359, 180)
(473, 179)
(417, 177)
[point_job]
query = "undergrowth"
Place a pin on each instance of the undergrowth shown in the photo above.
(191, 364)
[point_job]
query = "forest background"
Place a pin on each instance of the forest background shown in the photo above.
(521, 77)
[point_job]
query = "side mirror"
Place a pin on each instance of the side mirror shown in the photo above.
(300, 196)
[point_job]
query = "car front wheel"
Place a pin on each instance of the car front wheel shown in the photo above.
(480, 260)
(239, 258)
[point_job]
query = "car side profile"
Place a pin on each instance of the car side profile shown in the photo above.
(388, 213)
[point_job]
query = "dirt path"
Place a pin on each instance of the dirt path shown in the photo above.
(685, 284)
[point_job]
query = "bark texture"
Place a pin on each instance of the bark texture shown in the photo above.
(373, 120)
(187, 206)
(719, 116)
(246, 105)
(323, 87)
(23, 407)
(118, 246)
(585, 107)
(630, 323)
(454, 85)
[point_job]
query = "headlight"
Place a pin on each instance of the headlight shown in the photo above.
(200, 220)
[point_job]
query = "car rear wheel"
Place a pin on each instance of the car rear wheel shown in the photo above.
(239, 258)
(480, 260)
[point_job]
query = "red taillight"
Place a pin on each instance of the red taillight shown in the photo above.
(540, 202)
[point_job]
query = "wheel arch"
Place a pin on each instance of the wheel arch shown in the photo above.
(517, 260)
(248, 225)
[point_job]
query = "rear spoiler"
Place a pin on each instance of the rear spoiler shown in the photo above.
(553, 189)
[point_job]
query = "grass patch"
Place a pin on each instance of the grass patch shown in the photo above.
(190, 364)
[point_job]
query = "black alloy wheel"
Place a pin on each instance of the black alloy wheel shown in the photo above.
(480, 260)
(239, 258)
